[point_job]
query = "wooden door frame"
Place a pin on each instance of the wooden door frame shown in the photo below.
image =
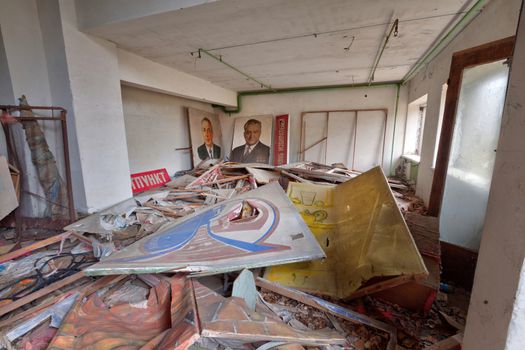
(486, 53)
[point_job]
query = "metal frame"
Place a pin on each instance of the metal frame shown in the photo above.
(26, 222)
(303, 147)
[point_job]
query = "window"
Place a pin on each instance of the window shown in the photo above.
(440, 122)
(415, 123)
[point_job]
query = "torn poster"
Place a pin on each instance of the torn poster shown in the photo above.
(256, 229)
(362, 232)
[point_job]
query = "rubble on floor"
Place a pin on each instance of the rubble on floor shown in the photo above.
(215, 221)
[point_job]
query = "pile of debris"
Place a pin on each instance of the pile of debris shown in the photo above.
(156, 271)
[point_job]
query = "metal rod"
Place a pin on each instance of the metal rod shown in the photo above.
(326, 136)
(355, 139)
(300, 89)
(313, 145)
(19, 108)
(219, 59)
(384, 142)
(394, 129)
(393, 29)
(71, 204)
(350, 110)
(27, 119)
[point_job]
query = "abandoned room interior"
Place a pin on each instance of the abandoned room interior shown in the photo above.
(278, 174)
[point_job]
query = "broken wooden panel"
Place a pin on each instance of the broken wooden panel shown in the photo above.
(330, 308)
(116, 217)
(55, 313)
(230, 318)
(258, 228)
(362, 231)
(184, 329)
(91, 324)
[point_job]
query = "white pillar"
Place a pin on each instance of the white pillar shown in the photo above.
(496, 296)
(93, 70)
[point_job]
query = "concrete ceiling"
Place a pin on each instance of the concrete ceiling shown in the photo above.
(284, 43)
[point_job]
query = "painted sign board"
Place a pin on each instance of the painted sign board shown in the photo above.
(149, 179)
(255, 229)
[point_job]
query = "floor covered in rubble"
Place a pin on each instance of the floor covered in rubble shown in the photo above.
(162, 270)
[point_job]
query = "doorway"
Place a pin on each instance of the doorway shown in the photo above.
(469, 137)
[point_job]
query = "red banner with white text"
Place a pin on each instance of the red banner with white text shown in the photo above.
(280, 149)
(149, 179)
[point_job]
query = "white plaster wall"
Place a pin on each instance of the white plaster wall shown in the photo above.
(25, 58)
(95, 13)
(502, 251)
(25, 51)
(53, 40)
(156, 124)
(141, 72)
(335, 99)
(6, 89)
(497, 20)
(99, 118)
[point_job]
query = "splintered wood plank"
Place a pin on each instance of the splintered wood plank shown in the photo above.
(40, 293)
(331, 308)
(41, 244)
(451, 343)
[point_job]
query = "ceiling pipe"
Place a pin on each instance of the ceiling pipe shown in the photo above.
(393, 30)
(219, 59)
(398, 87)
(396, 84)
(445, 40)
(298, 89)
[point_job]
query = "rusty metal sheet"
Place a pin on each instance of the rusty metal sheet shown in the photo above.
(362, 231)
(222, 238)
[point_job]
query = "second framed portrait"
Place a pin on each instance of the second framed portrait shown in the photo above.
(252, 140)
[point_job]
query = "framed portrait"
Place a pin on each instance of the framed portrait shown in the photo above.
(205, 135)
(252, 140)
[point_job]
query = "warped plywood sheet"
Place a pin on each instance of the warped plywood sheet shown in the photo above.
(230, 318)
(362, 231)
(220, 239)
(92, 324)
(184, 329)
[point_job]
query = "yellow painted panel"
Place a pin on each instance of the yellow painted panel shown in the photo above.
(362, 231)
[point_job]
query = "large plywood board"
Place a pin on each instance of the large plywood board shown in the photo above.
(362, 231)
(215, 240)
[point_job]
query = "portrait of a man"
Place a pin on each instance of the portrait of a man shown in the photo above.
(253, 150)
(205, 135)
(208, 150)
